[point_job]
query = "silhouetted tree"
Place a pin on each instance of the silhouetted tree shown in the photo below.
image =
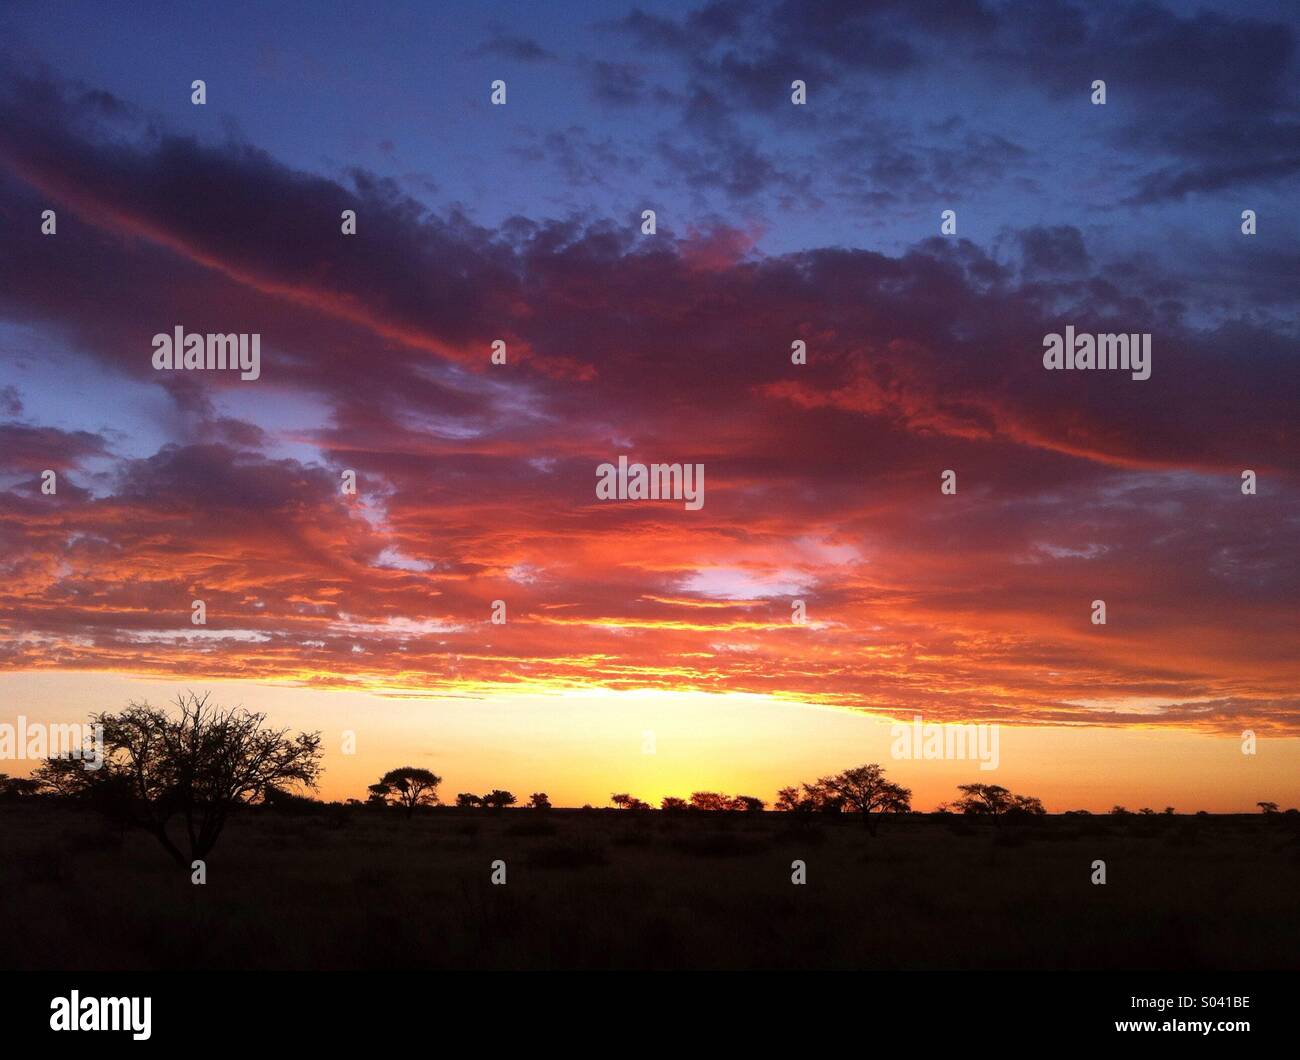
(709, 800)
(865, 790)
(277, 798)
(1023, 806)
(540, 801)
(409, 787)
(991, 799)
(787, 800)
(1267, 807)
(18, 787)
(627, 802)
(672, 804)
(466, 801)
(996, 801)
(196, 767)
(748, 804)
(818, 797)
(498, 799)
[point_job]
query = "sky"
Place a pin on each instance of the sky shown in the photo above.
(370, 613)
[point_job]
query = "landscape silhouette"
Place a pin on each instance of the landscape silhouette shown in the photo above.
(841, 871)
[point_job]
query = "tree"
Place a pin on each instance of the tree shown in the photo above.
(18, 787)
(498, 799)
(672, 804)
(787, 800)
(991, 799)
(280, 800)
(1267, 807)
(818, 797)
(466, 801)
(628, 802)
(709, 800)
(748, 804)
(409, 786)
(865, 790)
(996, 801)
(1025, 806)
(197, 767)
(540, 801)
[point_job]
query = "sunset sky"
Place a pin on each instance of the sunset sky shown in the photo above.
(476, 482)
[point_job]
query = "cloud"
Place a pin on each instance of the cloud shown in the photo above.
(476, 482)
(1055, 249)
(1204, 101)
(507, 45)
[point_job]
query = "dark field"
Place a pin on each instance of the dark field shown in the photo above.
(608, 889)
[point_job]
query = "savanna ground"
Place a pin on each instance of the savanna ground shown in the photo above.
(371, 889)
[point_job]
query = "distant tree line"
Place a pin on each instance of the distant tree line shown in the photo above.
(179, 776)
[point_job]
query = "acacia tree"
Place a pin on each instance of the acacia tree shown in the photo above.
(409, 786)
(820, 797)
(540, 801)
(710, 800)
(788, 801)
(865, 790)
(991, 799)
(197, 768)
(498, 799)
(996, 801)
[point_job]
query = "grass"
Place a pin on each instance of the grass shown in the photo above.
(608, 889)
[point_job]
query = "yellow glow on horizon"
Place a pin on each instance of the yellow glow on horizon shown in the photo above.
(581, 744)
